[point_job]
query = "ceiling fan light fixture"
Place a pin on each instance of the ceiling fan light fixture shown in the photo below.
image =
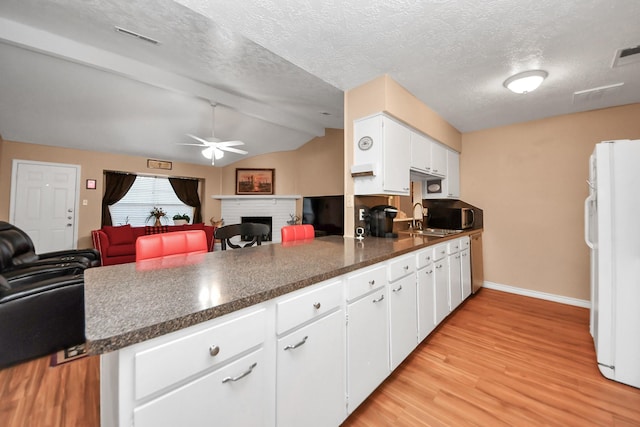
(217, 153)
(525, 82)
(208, 153)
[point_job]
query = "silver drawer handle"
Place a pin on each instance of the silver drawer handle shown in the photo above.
(398, 289)
(214, 350)
(316, 306)
(439, 266)
(372, 282)
(241, 376)
(379, 299)
(430, 271)
(293, 347)
(406, 267)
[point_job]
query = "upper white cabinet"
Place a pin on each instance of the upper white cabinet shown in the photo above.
(420, 153)
(382, 156)
(438, 160)
(452, 183)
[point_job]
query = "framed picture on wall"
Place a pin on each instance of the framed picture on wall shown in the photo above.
(255, 181)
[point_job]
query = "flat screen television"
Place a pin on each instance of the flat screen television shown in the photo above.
(325, 213)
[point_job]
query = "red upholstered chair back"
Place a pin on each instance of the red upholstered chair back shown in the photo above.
(175, 243)
(291, 233)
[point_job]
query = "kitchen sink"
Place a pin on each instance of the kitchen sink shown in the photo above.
(438, 232)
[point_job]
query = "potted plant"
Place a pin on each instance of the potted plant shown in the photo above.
(180, 219)
(156, 213)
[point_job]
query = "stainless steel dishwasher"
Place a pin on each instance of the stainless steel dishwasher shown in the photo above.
(477, 268)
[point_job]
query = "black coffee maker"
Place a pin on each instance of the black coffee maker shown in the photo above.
(381, 221)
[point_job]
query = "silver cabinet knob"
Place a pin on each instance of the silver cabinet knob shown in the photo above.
(372, 282)
(316, 306)
(214, 350)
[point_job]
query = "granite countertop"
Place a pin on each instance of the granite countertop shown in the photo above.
(130, 303)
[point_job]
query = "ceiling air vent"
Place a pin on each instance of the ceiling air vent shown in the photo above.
(629, 55)
(595, 94)
(136, 35)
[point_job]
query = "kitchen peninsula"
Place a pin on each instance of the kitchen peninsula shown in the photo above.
(206, 337)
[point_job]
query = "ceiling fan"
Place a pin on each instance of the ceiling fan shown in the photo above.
(214, 148)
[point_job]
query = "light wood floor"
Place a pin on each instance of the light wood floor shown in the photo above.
(501, 360)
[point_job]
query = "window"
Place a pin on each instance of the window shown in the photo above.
(146, 193)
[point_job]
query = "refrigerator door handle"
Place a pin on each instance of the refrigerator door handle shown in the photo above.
(587, 214)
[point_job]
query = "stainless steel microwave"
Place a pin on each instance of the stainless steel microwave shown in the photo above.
(451, 218)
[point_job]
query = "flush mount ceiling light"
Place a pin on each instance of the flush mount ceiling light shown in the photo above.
(525, 82)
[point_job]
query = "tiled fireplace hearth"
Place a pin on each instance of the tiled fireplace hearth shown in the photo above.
(279, 208)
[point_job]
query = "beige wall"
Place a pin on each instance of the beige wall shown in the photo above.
(530, 180)
(92, 165)
(313, 169)
(383, 94)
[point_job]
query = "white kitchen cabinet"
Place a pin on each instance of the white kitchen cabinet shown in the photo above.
(438, 160)
(420, 153)
(382, 156)
(425, 293)
(403, 322)
(441, 282)
(455, 286)
(367, 345)
(230, 396)
(310, 378)
(465, 266)
(452, 183)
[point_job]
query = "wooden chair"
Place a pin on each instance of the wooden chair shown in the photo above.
(296, 233)
(174, 243)
(248, 230)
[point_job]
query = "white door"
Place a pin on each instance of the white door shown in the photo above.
(44, 203)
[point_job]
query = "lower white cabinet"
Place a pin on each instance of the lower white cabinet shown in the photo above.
(403, 321)
(367, 346)
(441, 283)
(465, 269)
(310, 381)
(426, 305)
(455, 287)
(230, 396)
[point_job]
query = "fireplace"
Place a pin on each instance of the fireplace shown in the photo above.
(258, 220)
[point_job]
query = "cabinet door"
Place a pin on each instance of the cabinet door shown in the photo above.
(441, 273)
(310, 374)
(438, 159)
(367, 346)
(426, 302)
(465, 268)
(230, 396)
(453, 175)
(455, 287)
(420, 153)
(397, 157)
(403, 322)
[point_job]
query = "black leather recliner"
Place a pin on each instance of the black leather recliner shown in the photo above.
(41, 297)
(40, 315)
(17, 251)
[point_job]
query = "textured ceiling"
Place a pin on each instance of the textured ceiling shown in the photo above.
(276, 65)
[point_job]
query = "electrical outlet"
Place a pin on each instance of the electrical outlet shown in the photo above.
(361, 214)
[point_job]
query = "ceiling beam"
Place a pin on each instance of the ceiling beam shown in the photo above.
(50, 44)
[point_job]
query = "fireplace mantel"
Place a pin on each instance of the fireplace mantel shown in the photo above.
(279, 207)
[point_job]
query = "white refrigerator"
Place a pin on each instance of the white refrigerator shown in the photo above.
(612, 232)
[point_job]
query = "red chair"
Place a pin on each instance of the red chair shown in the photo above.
(293, 233)
(165, 244)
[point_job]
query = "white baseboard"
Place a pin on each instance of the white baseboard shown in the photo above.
(537, 294)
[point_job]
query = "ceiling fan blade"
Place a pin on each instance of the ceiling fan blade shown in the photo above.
(233, 150)
(229, 143)
(187, 143)
(203, 141)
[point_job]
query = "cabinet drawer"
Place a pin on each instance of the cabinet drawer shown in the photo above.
(424, 257)
(365, 281)
(296, 310)
(439, 251)
(231, 396)
(401, 267)
(165, 364)
(453, 246)
(465, 243)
